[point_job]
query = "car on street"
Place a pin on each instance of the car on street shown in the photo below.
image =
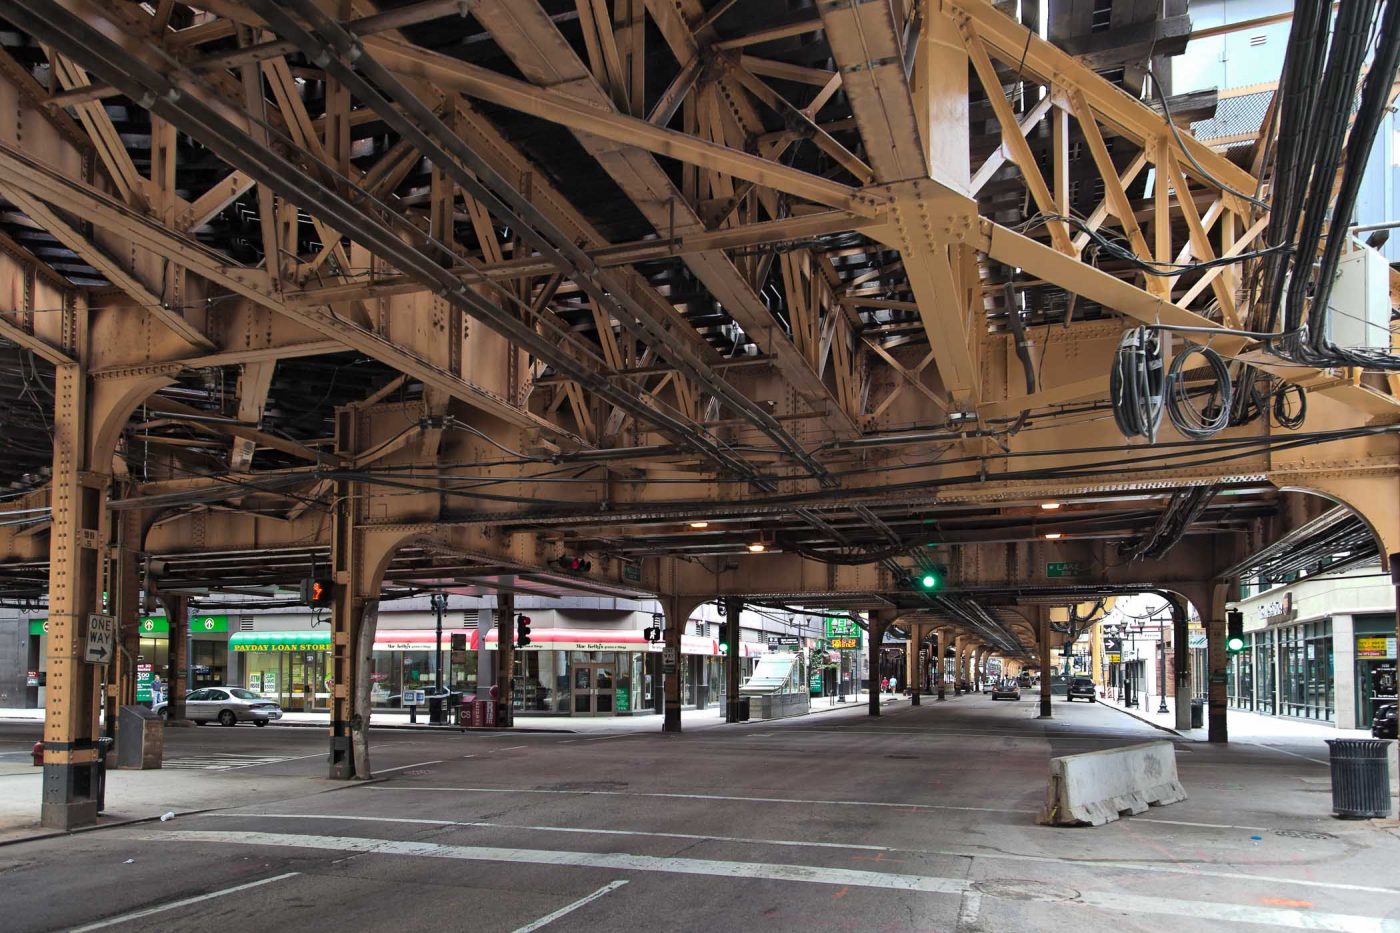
(1007, 690)
(1383, 725)
(1080, 688)
(225, 705)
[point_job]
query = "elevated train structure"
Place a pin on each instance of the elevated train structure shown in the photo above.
(787, 304)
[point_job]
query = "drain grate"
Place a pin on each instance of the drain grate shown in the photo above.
(1302, 834)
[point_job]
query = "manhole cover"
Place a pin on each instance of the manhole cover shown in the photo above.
(1018, 890)
(1302, 834)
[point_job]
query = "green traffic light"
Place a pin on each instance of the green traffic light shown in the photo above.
(929, 581)
(1235, 644)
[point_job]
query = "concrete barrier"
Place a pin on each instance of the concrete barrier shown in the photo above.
(1098, 787)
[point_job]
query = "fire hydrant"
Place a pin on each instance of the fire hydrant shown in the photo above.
(38, 753)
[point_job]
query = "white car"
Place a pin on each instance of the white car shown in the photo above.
(225, 705)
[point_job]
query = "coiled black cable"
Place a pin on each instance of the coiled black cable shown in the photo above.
(1292, 419)
(1136, 384)
(1214, 416)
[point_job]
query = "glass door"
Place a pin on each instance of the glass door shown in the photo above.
(594, 687)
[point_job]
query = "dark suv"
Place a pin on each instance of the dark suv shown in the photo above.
(1081, 688)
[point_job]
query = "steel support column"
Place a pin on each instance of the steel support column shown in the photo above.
(505, 658)
(1212, 609)
(677, 610)
(177, 617)
(1181, 636)
(70, 718)
(733, 609)
(880, 621)
(913, 667)
(1043, 650)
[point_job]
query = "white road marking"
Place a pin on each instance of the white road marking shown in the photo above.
(1257, 829)
(1115, 902)
(223, 762)
(1275, 748)
(1089, 865)
(416, 764)
(621, 793)
(511, 748)
(138, 914)
(969, 909)
(608, 888)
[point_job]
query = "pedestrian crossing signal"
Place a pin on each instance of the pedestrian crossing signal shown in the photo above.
(317, 593)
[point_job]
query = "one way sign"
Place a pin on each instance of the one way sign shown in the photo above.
(101, 638)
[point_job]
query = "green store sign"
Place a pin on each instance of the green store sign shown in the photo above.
(153, 626)
(289, 642)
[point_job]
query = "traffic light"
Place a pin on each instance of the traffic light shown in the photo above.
(1234, 631)
(929, 580)
(317, 593)
(574, 564)
(459, 641)
(652, 633)
(522, 631)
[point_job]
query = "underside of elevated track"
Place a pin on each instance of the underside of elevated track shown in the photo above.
(785, 304)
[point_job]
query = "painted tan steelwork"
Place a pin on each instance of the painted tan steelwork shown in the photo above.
(527, 361)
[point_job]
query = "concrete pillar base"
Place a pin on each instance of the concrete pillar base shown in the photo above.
(914, 698)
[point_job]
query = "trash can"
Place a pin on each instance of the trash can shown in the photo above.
(743, 709)
(142, 734)
(104, 745)
(1198, 713)
(436, 711)
(1360, 778)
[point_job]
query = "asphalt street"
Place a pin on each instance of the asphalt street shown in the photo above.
(922, 819)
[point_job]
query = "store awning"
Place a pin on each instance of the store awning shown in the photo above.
(562, 639)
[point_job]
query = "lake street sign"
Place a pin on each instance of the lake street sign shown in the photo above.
(101, 638)
(1067, 568)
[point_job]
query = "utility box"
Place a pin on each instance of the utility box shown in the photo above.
(1359, 307)
(142, 739)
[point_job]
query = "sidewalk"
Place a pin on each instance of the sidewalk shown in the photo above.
(1241, 724)
(713, 714)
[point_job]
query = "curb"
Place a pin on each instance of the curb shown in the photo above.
(1129, 713)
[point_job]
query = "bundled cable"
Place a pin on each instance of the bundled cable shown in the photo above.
(1136, 384)
(1214, 416)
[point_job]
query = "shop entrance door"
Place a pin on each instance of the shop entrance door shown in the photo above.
(593, 689)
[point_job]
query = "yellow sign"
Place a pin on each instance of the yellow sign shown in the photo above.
(843, 644)
(1380, 647)
(1114, 659)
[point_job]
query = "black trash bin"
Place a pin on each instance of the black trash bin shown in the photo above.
(104, 745)
(436, 712)
(1360, 778)
(1198, 713)
(743, 709)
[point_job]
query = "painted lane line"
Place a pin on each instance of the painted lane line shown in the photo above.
(416, 764)
(1087, 864)
(1275, 748)
(1257, 829)
(570, 908)
(1115, 902)
(138, 914)
(619, 793)
(969, 909)
(512, 748)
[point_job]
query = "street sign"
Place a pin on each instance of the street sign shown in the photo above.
(631, 572)
(101, 638)
(669, 659)
(784, 641)
(1115, 658)
(1067, 568)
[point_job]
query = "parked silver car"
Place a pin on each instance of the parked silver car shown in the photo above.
(226, 706)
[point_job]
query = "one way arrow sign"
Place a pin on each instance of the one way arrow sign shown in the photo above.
(101, 638)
